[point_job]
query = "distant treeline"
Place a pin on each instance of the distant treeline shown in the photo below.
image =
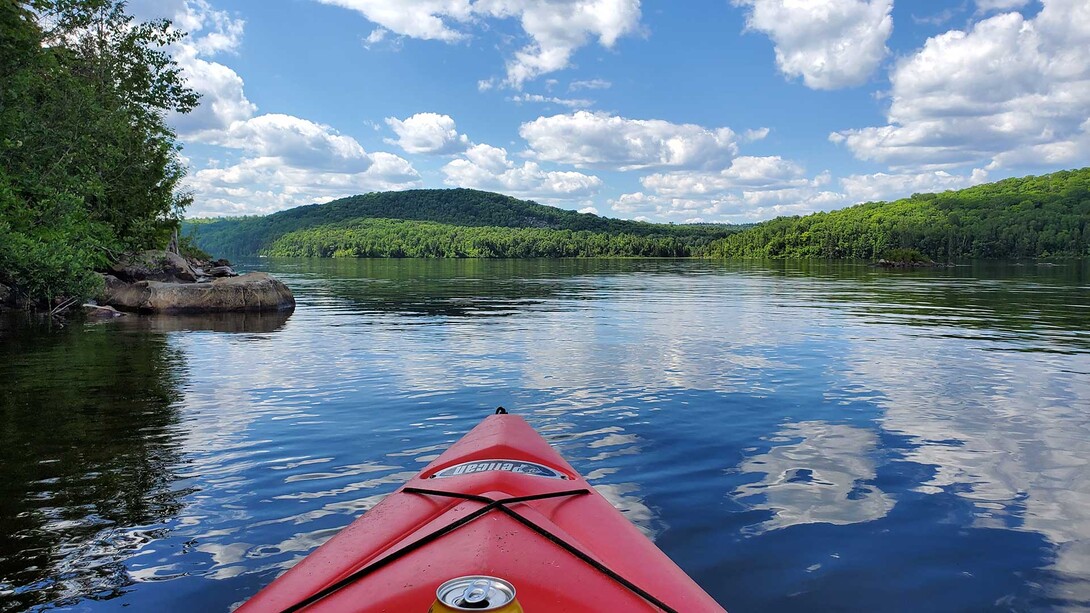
(1040, 216)
(388, 238)
(455, 207)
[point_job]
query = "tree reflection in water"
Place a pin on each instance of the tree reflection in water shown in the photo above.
(91, 449)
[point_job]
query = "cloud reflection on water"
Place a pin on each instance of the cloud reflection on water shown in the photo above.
(593, 358)
(906, 345)
(708, 403)
(1006, 431)
(816, 472)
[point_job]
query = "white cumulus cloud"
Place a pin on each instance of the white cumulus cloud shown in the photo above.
(298, 142)
(755, 188)
(884, 186)
(264, 185)
(1005, 92)
(429, 133)
(754, 135)
(424, 19)
(488, 168)
(283, 160)
(289, 161)
(740, 207)
(829, 43)
(210, 32)
(749, 189)
(745, 172)
(556, 29)
(223, 100)
(602, 140)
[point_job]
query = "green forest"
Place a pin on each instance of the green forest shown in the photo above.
(89, 168)
(389, 238)
(452, 207)
(1040, 216)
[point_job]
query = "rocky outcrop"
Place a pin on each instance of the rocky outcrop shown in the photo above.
(169, 267)
(221, 271)
(161, 266)
(256, 291)
(165, 282)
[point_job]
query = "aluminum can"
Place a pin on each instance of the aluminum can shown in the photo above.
(476, 593)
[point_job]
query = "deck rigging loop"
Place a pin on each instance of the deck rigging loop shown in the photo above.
(490, 505)
(501, 411)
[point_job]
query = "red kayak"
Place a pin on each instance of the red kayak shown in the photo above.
(499, 522)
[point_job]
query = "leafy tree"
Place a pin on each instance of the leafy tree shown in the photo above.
(88, 166)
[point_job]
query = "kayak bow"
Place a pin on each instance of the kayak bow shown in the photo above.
(499, 503)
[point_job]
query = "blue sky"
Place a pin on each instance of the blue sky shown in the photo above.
(717, 110)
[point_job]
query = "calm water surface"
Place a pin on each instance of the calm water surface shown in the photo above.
(795, 437)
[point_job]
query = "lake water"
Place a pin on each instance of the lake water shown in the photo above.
(796, 437)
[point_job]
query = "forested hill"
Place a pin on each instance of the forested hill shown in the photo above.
(453, 207)
(1040, 216)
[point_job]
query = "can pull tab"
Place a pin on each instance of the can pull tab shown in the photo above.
(476, 594)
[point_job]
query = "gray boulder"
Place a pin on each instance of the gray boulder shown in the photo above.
(163, 266)
(256, 291)
(221, 271)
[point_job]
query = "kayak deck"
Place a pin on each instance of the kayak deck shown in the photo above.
(500, 502)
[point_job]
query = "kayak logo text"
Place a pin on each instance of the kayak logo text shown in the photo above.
(510, 466)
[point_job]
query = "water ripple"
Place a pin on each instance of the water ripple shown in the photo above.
(795, 436)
